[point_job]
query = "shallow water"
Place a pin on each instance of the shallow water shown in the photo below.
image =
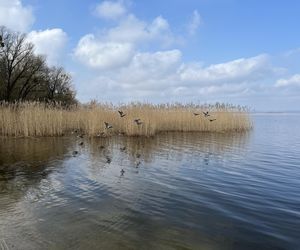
(190, 191)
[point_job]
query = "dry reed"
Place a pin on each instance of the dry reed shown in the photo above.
(38, 119)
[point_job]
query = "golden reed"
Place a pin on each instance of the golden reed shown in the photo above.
(39, 119)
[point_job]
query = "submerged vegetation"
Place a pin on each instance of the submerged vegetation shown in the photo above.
(136, 119)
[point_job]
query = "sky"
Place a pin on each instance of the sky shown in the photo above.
(202, 51)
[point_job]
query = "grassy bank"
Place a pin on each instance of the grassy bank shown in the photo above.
(37, 119)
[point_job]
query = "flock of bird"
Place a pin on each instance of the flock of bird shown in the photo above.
(206, 114)
(122, 114)
(138, 122)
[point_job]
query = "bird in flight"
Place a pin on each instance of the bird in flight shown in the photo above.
(206, 114)
(107, 125)
(122, 171)
(138, 121)
(122, 114)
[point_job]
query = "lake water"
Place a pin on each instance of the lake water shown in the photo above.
(178, 191)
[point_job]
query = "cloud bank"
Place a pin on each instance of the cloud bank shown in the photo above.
(14, 15)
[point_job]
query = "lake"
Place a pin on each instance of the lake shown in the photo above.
(177, 191)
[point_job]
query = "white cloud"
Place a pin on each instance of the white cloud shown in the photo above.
(159, 76)
(194, 23)
(100, 54)
(50, 42)
(233, 71)
(116, 47)
(158, 25)
(138, 61)
(292, 81)
(133, 30)
(15, 16)
(110, 10)
(130, 30)
(155, 66)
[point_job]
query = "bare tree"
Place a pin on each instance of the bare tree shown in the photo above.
(17, 55)
(26, 76)
(33, 78)
(59, 86)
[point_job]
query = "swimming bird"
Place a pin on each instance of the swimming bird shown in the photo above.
(138, 155)
(122, 114)
(75, 131)
(107, 125)
(211, 120)
(80, 136)
(137, 164)
(122, 171)
(75, 153)
(101, 147)
(195, 114)
(138, 121)
(206, 114)
(123, 148)
(108, 159)
(81, 143)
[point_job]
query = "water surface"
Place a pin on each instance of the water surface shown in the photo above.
(179, 190)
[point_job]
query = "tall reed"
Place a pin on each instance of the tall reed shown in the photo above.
(39, 119)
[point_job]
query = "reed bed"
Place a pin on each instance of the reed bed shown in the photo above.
(39, 119)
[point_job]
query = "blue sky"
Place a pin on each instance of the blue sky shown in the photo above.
(242, 52)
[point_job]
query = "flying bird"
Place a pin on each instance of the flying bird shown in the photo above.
(138, 121)
(206, 114)
(122, 114)
(107, 125)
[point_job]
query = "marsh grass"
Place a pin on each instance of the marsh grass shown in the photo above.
(38, 119)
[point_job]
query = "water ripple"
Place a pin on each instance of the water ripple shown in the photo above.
(178, 191)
